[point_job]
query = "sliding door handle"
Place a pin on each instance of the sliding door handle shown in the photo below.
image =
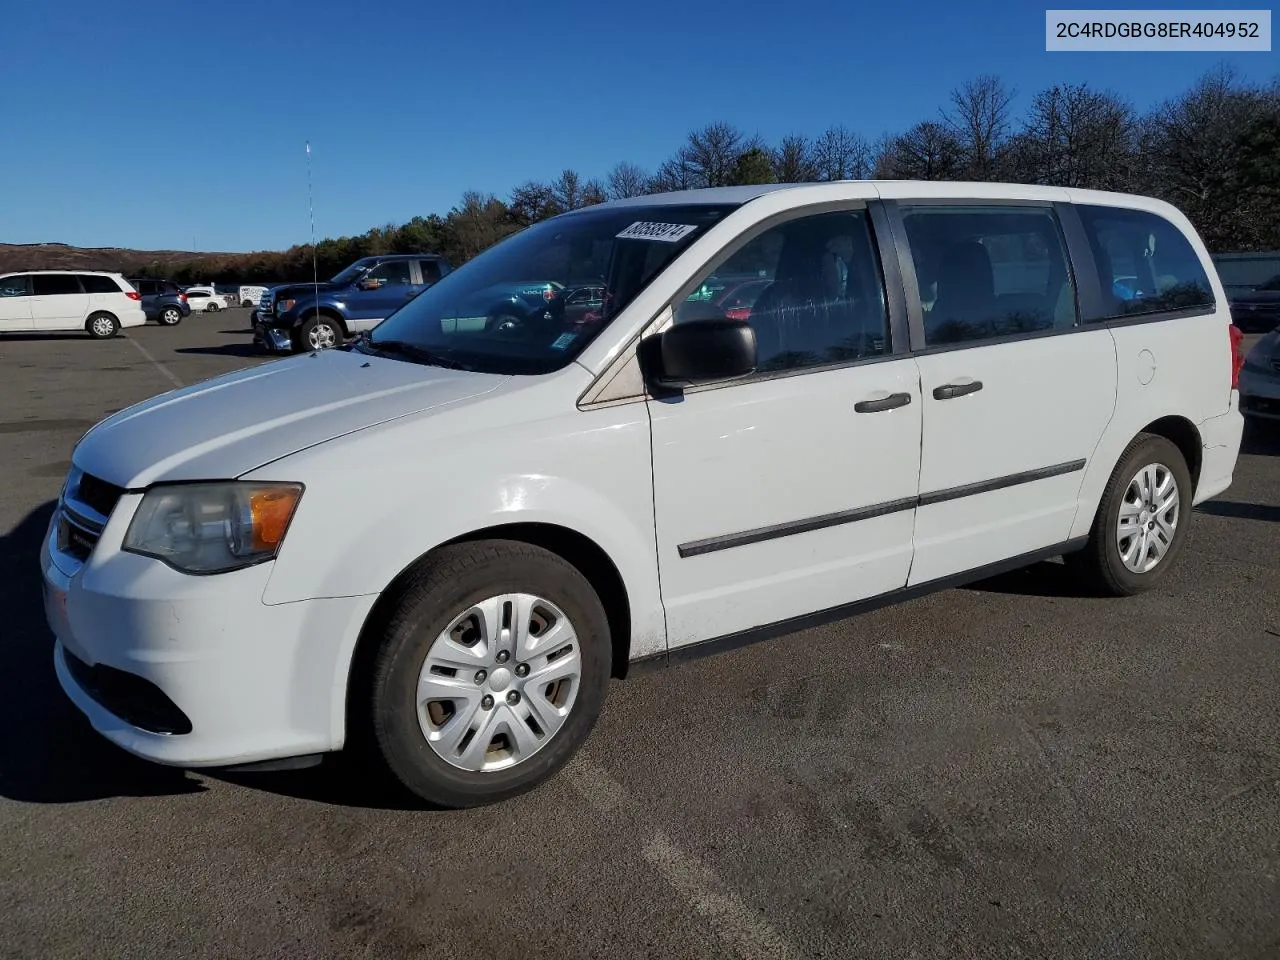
(890, 402)
(952, 390)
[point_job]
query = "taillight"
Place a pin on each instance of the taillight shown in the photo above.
(133, 294)
(182, 297)
(739, 313)
(549, 294)
(1237, 355)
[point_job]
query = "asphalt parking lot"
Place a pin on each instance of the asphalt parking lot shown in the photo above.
(1005, 770)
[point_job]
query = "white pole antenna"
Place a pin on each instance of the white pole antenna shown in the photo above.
(315, 270)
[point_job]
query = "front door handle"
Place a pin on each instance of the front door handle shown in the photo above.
(890, 402)
(952, 390)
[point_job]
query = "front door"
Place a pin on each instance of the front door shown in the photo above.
(791, 491)
(381, 292)
(60, 303)
(15, 303)
(1016, 394)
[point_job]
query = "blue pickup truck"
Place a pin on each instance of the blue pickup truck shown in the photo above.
(309, 316)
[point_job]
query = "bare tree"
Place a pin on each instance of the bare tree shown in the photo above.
(1200, 156)
(532, 201)
(1076, 137)
(712, 152)
(479, 221)
(840, 154)
(593, 192)
(979, 121)
(567, 190)
(928, 151)
(793, 160)
(627, 179)
(674, 173)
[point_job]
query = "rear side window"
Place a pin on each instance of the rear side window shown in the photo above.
(55, 284)
(16, 286)
(1145, 264)
(96, 284)
(989, 271)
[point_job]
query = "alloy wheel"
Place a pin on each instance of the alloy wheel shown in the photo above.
(499, 682)
(1148, 518)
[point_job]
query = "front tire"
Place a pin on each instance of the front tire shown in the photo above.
(319, 333)
(102, 326)
(491, 671)
(1141, 524)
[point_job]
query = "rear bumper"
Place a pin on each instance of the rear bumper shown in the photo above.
(1220, 438)
(132, 318)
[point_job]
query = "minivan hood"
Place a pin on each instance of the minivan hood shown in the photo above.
(225, 427)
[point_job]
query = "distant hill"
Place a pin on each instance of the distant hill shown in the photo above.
(60, 256)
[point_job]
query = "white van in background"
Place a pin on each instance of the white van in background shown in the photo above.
(250, 295)
(51, 301)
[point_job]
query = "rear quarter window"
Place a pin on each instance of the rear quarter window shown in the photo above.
(1145, 264)
(96, 284)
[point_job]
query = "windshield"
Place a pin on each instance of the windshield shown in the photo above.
(533, 302)
(350, 274)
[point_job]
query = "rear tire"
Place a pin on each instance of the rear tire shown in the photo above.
(531, 640)
(212, 308)
(170, 317)
(1141, 523)
(102, 325)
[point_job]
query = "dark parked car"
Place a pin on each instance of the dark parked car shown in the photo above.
(162, 301)
(1258, 311)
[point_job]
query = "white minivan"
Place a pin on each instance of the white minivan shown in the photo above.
(938, 382)
(49, 301)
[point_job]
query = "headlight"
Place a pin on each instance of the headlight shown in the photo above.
(284, 306)
(213, 527)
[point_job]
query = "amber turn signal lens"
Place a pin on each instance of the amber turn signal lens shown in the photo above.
(271, 511)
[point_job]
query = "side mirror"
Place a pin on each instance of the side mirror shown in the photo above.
(700, 351)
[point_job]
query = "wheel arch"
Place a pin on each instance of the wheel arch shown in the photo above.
(324, 310)
(1182, 433)
(587, 556)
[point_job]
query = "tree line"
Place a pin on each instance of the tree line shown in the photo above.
(1213, 151)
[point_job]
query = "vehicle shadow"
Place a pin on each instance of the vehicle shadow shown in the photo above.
(48, 753)
(247, 350)
(340, 780)
(1261, 439)
(1045, 579)
(1242, 511)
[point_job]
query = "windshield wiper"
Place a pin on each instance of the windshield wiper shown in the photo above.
(412, 352)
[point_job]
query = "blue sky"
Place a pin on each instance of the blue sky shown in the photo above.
(163, 124)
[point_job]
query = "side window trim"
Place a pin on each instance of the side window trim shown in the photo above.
(897, 347)
(1083, 265)
(915, 309)
(1096, 314)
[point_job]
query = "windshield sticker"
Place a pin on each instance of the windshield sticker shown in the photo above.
(664, 232)
(563, 341)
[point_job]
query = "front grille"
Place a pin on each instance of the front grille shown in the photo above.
(131, 698)
(97, 494)
(76, 536)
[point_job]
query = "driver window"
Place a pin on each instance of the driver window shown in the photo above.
(811, 289)
(393, 272)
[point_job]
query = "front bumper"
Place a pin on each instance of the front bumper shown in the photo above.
(142, 648)
(272, 339)
(1260, 394)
